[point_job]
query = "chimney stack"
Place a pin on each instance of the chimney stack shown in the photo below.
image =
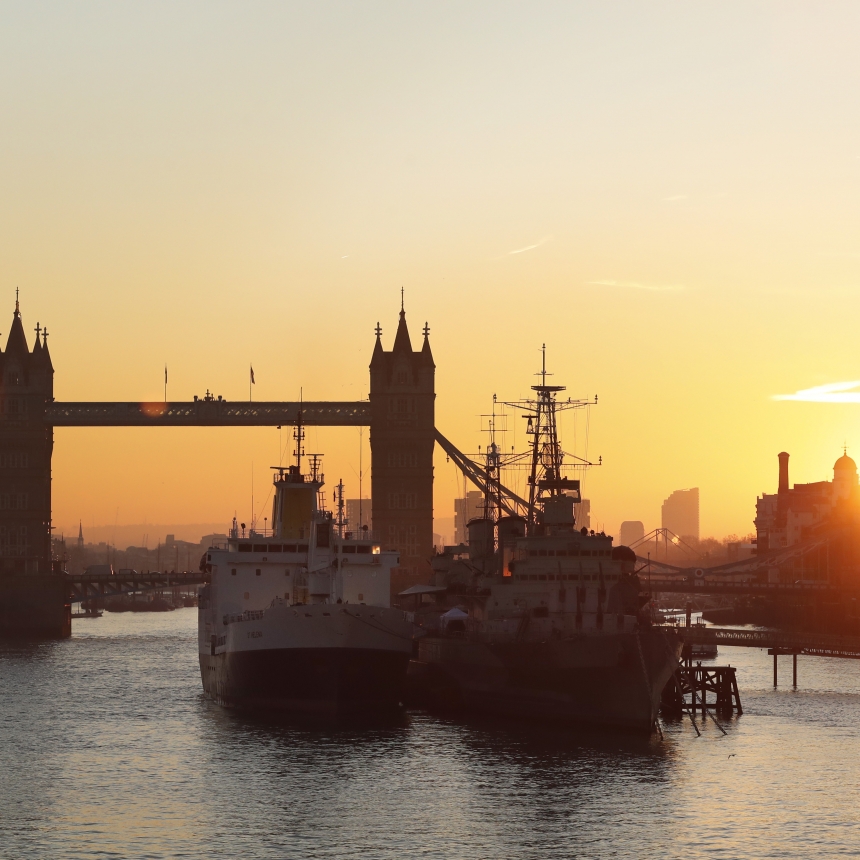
(783, 472)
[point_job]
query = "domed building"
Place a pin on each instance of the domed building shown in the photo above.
(844, 477)
(798, 513)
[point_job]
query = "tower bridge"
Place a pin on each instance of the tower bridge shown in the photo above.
(400, 413)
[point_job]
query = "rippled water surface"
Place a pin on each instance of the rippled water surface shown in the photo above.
(109, 749)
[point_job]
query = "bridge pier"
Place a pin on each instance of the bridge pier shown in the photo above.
(35, 606)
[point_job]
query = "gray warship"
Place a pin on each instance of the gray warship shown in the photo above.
(550, 622)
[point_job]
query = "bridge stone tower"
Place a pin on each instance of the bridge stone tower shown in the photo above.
(402, 405)
(33, 600)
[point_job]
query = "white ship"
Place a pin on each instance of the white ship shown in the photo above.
(299, 619)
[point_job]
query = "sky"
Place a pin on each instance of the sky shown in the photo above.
(665, 194)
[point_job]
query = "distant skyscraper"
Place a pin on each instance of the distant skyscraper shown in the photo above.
(630, 532)
(681, 513)
(358, 514)
(464, 510)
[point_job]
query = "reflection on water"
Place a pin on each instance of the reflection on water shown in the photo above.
(109, 749)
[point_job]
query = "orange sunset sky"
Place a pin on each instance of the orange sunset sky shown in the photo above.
(666, 194)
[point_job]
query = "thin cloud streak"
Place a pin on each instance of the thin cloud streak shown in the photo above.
(635, 285)
(832, 392)
(531, 247)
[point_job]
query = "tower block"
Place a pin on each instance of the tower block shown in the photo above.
(32, 598)
(402, 405)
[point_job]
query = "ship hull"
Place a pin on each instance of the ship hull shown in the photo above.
(322, 659)
(318, 681)
(601, 679)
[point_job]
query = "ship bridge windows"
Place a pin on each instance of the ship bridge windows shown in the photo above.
(260, 547)
(244, 547)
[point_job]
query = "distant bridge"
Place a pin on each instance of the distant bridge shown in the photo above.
(684, 585)
(89, 586)
(779, 641)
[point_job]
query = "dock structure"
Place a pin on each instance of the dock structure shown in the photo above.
(778, 643)
(702, 688)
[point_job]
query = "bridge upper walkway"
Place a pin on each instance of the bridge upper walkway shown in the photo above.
(208, 413)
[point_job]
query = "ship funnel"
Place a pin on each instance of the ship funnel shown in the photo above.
(783, 472)
(480, 538)
(511, 528)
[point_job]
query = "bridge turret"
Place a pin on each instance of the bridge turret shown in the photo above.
(402, 404)
(26, 445)
(33, 600)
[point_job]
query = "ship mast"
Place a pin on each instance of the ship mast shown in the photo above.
(341, 522)
(299, 436)
(546, 478)
(492, 469)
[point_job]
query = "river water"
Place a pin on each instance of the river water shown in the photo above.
(109, 749)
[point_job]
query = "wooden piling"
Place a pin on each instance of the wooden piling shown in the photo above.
(689, 687)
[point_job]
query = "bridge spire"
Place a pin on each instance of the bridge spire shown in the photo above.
(401, 339)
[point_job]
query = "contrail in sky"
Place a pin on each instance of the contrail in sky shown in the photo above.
(833, 392)
(531, 247)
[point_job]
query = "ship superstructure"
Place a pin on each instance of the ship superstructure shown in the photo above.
(554, 627)
(298, 618)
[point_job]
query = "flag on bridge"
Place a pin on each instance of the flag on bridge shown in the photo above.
(252, 375)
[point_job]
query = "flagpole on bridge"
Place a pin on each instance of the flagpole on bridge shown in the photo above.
(250, 383)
